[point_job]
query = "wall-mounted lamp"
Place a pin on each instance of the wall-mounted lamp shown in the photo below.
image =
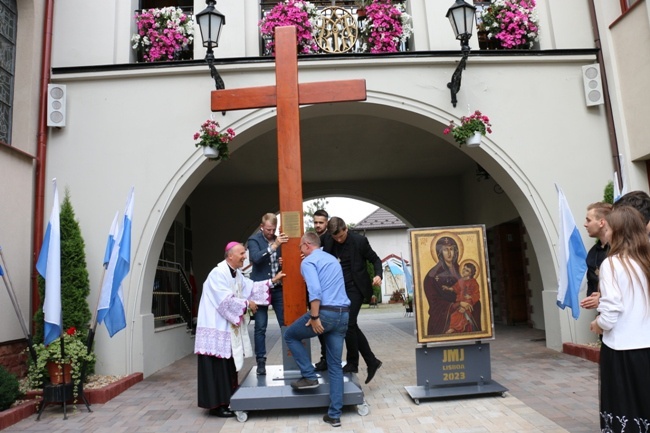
(481, 173)
(461, 15)
(210, 22)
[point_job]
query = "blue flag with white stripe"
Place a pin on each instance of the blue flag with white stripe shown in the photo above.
(111, 303)
(408, 278)
(571, 256)
(111, 240)
(49, 267)
(1, 271)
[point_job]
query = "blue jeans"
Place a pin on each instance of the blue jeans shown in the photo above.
(336, 325)
(262, 321)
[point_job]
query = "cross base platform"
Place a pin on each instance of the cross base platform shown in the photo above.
(273, 391)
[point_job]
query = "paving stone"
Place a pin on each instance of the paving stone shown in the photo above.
(549, 392)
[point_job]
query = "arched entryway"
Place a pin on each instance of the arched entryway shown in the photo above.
(390, 151)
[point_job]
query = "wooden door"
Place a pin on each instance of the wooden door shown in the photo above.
(509, 276)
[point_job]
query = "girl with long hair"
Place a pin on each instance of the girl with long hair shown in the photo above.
(624, 322)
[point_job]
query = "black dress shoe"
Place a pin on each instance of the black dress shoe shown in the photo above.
(372, 369)
(321, 365)
(222, 412)
(261, 368)
(349, 368)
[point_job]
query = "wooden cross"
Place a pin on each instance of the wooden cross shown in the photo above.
(287, 95)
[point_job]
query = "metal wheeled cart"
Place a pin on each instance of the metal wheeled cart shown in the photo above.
(273, 391)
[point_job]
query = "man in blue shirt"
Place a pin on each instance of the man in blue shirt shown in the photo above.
(328, 316)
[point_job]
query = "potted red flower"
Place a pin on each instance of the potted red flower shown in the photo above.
(471, 129)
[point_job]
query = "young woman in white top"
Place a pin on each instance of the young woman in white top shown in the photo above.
(624, 322)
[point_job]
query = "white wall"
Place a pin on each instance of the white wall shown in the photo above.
(134, 127)
(93, 32)
(17, 173)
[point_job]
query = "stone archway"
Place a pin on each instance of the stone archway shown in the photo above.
(389, 151)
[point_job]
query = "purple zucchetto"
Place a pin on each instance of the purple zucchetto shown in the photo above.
(231, 244)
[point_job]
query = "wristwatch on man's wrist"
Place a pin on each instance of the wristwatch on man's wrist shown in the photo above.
(314, 317)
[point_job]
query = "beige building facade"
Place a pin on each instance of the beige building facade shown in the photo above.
(131, 124)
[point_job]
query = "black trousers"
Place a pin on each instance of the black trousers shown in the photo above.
(355, 341)
(217, 381)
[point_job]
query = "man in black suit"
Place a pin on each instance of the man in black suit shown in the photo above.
(353, 250)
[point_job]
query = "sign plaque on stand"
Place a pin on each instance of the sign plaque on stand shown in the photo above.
(453, 371)
(453, 312)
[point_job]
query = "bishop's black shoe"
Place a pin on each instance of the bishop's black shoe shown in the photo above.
(222, 412)
(321, 365)
(349, 368)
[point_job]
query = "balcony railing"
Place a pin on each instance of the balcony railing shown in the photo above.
(339, 27)
(173, 302)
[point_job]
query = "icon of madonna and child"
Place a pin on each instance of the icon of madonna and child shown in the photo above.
(455, 288)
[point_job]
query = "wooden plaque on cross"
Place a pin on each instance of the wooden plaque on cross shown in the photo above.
(287, 95)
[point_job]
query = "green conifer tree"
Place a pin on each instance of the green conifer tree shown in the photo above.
(75, 284)
(608, 194)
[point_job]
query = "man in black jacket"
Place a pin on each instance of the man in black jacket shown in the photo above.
(353, 250)
(596, 228)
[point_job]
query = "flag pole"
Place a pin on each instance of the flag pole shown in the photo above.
(93, 322)
(14, 301)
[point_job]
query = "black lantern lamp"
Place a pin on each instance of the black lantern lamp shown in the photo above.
(461, 16)
(210, 22)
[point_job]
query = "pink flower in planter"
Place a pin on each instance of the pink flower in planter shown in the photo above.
(386, 26)
(301, 14)
(162, 33)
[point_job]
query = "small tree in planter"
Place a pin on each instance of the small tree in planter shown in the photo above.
(75, 288)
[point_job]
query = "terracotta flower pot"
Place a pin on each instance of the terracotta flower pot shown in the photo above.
(59, 373)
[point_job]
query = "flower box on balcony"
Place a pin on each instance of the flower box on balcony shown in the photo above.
(163, 34)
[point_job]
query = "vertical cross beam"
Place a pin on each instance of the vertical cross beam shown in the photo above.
(287, 95)
(289, 169)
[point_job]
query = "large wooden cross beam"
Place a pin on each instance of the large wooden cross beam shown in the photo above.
(287, 95)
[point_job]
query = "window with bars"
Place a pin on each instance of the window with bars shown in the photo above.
(174, 293)
(627, 4)
(8, 24)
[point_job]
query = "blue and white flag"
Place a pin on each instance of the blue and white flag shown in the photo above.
(111, 240)
(49, 266)
(394, 269)
(571, 256)
(1, 271)
(111, 303)
(618, 191)
(408, 278)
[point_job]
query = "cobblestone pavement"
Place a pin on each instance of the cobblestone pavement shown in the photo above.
(548, 392)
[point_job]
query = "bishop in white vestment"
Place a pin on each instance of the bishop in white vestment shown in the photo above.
(222, 340)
